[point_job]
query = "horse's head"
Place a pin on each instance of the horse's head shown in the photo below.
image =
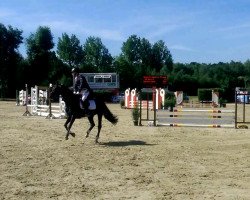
(62, 90)
(55, 91)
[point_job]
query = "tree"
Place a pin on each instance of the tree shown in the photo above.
(144, 59)
(69, 50)
(131, 50)
(59, 71)
(126, 73)
(97, 57)
(10, 39)
(161, 57)
(39, 47)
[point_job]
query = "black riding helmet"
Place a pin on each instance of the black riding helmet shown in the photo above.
(75, 70)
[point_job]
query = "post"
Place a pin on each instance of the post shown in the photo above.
(50, 115)
(154, 106)
(17, 98)
(27, 113)
(244, 108)
(140, 99)
(147, 106)
(236, 109)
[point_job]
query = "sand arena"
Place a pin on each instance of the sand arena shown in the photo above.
(129, 163)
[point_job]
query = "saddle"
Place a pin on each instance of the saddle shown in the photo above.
(91, 104)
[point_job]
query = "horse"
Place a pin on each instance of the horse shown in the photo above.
(73, 110)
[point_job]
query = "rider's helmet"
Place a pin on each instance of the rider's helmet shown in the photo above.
(75, 70)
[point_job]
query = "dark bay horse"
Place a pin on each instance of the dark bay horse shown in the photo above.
(74, 111)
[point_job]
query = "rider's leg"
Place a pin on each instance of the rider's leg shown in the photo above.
(85, 103)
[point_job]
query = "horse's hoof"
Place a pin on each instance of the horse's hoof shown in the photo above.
(66, 138)
(73, 134)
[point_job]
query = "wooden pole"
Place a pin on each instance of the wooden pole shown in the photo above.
(27, 113)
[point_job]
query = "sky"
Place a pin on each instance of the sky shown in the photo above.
(204, 31)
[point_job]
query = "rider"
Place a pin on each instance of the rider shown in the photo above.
(81, 86)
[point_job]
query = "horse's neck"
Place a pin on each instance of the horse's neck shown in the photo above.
(68, 98)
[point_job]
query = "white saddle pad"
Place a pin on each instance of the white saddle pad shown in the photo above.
(92, 105)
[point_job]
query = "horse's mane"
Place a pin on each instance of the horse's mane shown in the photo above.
(66, 90)
(68, 96)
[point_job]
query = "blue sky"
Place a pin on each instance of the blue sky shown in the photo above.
(204, 31)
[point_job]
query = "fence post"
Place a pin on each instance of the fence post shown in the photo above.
(140, 99)
(154, 106)
(27, 113)
(50, 115)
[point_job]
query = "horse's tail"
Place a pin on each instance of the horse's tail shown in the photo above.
(109, 115)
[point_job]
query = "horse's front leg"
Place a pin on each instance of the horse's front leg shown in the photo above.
(99, 128)
(67, 122)
(72, 119)
(92, 124)
(67, 127)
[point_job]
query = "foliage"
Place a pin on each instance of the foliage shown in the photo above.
(39, 54)
(138, 58)
(10, 39)
(135, 113)
(122, 103)
(69, 50)
(169, 101)
(222, 102)
(205, 94)
(97, 57)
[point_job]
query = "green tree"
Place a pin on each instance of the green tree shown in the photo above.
(161, 57)
(130, 62)
(126, 73)
(144, 59)
(39, 46)
(10, 39)
(69, 50)
(97, 57)
(131, 50)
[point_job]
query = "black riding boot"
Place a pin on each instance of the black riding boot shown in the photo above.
(85, 105)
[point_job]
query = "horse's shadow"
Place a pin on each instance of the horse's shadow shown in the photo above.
(124, 143)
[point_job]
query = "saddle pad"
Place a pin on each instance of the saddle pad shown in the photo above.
(92, 105)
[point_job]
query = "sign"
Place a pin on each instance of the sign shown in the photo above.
(155, 81)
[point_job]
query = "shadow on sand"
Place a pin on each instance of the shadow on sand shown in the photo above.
(124, 143)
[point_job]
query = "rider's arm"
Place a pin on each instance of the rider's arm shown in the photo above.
(84, 83)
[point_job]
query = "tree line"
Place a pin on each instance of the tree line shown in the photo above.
(49, 63)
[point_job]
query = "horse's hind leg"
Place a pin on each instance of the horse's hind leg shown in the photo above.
(67, 127)
(72, 119)
(66, 123)
(99, 127)
(92, 124)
